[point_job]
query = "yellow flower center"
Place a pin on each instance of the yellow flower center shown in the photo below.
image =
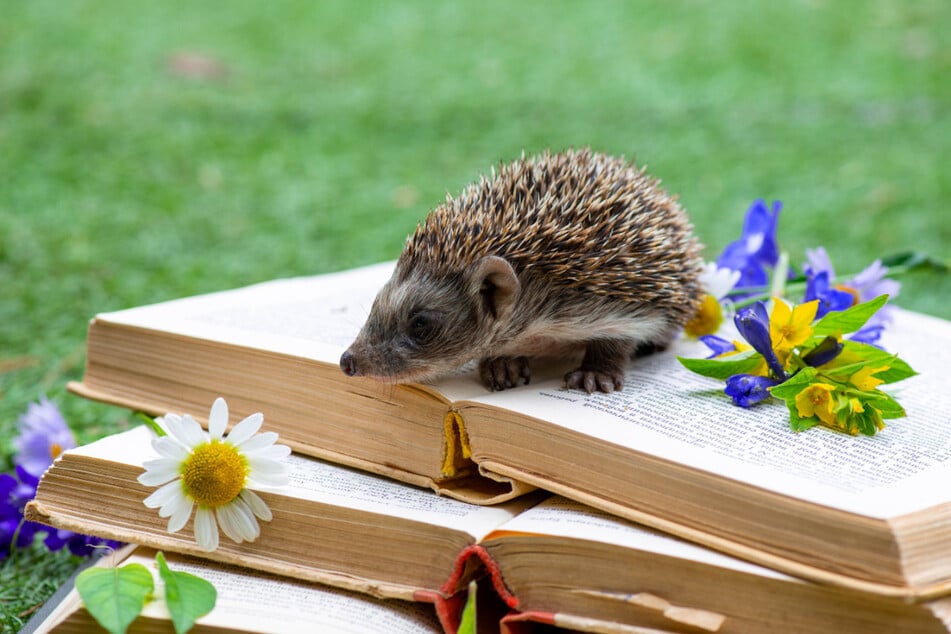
(55, 450)
(214, 474)
(707, 320)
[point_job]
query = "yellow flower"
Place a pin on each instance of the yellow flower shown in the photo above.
(817, 400)
(864, 380)
(707, 320)
(790, 327)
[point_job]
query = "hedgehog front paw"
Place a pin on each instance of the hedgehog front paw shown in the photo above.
(591, 380)
(499, 373)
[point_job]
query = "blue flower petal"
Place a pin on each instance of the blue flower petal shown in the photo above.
(718, 345)
(753, 324)
(747, 390)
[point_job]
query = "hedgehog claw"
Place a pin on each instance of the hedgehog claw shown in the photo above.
(500, 373)
(592, 380)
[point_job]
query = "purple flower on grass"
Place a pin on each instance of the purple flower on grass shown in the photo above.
(43, 436)
(756, 250)
(718, 345)
(747, 390)
(753, 324)
(14, 532)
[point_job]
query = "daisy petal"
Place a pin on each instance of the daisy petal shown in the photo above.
(265, 465)
(164, 495)
(158, 472)
(163, 421)
(179, 515)
(168, 447)
(245, 429)
(260, 441)
(256, 504)
(218, 419)
(185, 430)
(275, 453)
(206, 530)
(237, 521)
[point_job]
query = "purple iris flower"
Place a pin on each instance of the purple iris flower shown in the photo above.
(756, 250)
(747, 390)
(718, 345)
(43, 436)
(830, 298)
(753, 324)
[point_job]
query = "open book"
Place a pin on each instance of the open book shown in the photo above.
(550, 560)
(669, 450)
(249, 602)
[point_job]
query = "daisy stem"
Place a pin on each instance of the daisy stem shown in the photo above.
(154, 426)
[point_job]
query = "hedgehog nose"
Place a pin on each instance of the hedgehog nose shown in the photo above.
(348, 364)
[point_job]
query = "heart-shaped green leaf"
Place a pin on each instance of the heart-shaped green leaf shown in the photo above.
(115, 596)
(188, 597)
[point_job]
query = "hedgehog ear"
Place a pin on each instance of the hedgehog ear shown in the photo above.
(494, 281)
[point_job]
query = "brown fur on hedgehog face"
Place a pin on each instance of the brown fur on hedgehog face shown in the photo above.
(421, 326)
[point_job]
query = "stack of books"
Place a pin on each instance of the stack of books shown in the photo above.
(659, 508)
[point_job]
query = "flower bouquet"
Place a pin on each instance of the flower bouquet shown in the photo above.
(810, 339)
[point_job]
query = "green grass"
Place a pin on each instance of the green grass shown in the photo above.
(336, 126)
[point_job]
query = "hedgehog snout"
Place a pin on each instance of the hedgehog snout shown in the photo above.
(348, 363)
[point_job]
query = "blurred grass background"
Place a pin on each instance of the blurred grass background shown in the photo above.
(156, 150)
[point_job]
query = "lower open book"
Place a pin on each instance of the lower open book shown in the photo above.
(549, 560)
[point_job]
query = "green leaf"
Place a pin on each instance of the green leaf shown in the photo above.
(724, 367)
(467, 623)
(188, 597)
(914, 261)
(789, 388)
(115, 596)
(849, 320)
(795, 421)
(898, 369)
(884, 403)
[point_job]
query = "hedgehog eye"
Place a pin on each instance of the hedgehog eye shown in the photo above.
(422, 326)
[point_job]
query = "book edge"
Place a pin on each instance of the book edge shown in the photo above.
(915, 594)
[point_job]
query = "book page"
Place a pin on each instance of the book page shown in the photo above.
(561, 517)
(255, 602)
(314, 317)
(323, 482)
(331, 484)
(666, 411)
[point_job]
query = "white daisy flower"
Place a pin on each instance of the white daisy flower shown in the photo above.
(214, 473)
(717, 281)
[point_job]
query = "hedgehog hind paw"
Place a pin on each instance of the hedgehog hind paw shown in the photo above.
(500, 373)
(602, 368)
(594, 380)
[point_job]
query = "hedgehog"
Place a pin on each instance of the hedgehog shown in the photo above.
(573, 254)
